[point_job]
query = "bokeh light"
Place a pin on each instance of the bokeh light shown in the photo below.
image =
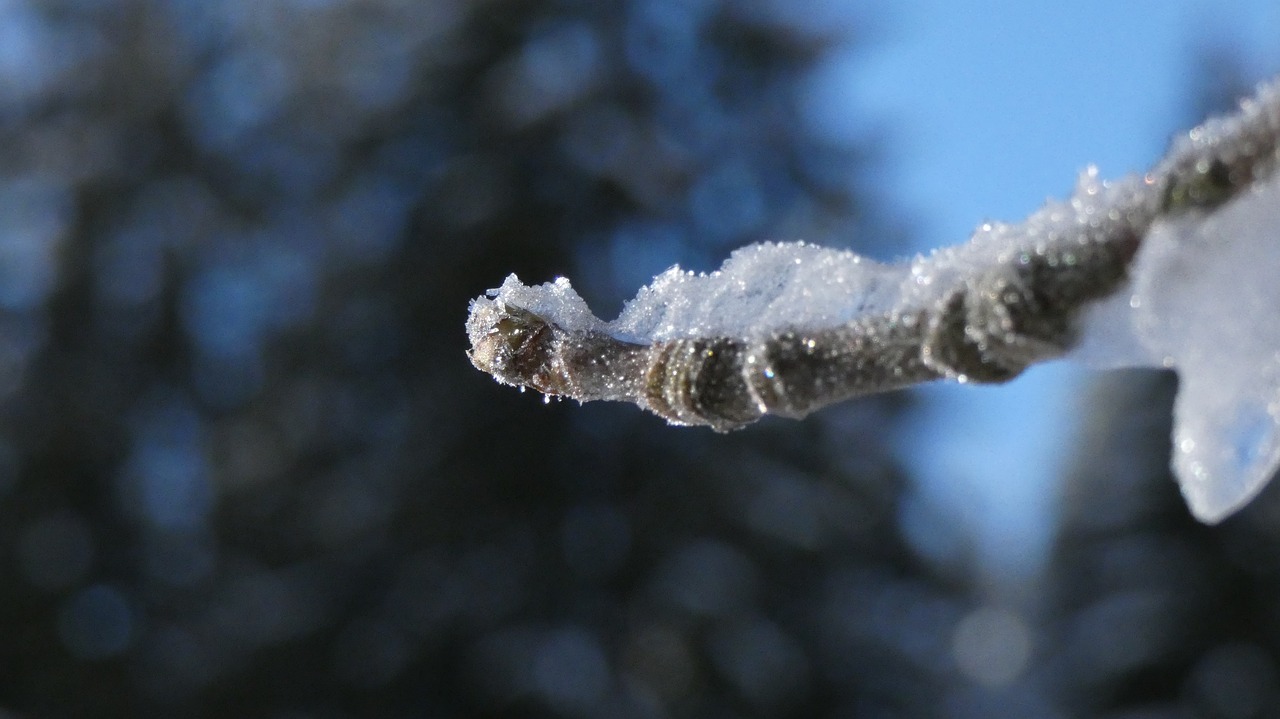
(245, 469)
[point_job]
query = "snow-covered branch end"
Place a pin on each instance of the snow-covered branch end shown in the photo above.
(1172, 269)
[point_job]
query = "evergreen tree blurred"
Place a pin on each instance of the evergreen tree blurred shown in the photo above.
(245, 468)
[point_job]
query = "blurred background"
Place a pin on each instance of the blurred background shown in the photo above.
(247, 471)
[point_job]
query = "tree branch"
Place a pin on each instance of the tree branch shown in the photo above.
(1011, 297)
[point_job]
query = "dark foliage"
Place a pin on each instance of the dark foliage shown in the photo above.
(245, 468)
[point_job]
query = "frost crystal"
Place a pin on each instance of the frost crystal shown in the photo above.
(760, 288)
(1173, 269)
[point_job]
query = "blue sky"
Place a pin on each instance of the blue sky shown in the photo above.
(989, 108)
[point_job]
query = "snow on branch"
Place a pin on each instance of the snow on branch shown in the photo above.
(1175, 268)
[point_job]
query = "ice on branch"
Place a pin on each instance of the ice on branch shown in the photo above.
(1205, 301)
(1171, 269)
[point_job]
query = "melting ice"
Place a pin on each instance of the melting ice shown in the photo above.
(1205, 301)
